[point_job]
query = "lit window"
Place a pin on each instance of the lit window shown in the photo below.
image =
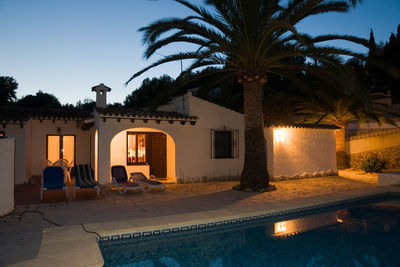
(136, 148)
(2, 134)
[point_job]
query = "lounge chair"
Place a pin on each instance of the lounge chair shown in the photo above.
(121, 182)
(53, 178)
(146, 183)
(63, 163)
(84, 178)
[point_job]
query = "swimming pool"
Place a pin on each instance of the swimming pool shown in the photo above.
(366, 235)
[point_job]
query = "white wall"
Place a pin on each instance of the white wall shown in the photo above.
(7, 150)
(40, 130)
(372, 143)
(22, 143)
(299, 150)
(30, 145)
(269, 142)
(192, 142)
(198, 145)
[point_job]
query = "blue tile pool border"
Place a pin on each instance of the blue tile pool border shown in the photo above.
(266, 217)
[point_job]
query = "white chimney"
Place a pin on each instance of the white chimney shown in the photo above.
(101, 95)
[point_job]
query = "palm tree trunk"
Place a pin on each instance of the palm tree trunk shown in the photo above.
(341, 158)
(255, 174)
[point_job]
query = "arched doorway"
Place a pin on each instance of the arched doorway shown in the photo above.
(145, 150)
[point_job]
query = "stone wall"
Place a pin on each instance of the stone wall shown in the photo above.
(391, 155)
(383, 143)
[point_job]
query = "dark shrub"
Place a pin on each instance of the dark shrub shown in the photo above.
(372, 164)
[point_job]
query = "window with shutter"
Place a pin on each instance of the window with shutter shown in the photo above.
(224, 144)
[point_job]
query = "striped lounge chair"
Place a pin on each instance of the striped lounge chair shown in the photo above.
(146, 183)
(84, 178)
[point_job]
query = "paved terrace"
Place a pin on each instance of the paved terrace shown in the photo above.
(26, 239)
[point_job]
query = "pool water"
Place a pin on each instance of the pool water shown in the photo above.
(362, 236)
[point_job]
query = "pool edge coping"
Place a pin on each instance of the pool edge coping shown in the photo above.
(240, 217)
(95, 258)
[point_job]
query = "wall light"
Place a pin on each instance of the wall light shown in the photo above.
(280, 227)
(280, 135)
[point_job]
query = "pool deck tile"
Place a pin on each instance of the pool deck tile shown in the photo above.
(31, 241)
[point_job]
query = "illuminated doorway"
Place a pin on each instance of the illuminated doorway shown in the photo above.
(60, 147)
(148, 148)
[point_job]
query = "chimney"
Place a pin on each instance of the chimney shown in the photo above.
(101, 95)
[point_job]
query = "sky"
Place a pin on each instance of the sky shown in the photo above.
(65, 47)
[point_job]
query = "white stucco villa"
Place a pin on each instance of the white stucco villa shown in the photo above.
(188, 139)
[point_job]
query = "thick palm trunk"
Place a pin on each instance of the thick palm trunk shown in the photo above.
(255, 174)
(341, 158)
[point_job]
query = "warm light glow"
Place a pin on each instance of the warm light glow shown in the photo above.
(280, 135)
(136, 148)
(280, 227)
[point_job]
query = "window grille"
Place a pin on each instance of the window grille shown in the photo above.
(224, 144)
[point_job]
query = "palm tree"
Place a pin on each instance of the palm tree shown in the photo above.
(249, 39)
(340, 101)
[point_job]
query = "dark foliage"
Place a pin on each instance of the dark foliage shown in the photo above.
(87, 104)
(8, 87)
(40, 100)
(372, 164)
(144, 96)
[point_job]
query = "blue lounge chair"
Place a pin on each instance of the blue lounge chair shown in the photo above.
(146, 183)
(84, 178)
(121, 182)
(53, 178)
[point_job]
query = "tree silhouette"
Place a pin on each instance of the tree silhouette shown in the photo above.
(339, 102)
(392, 56)
(40, 100)
(8, 87)
(144, 96)
(87, 104)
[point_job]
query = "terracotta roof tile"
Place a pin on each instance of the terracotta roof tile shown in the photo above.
(127, 112)
(308, 126)
(14, 114)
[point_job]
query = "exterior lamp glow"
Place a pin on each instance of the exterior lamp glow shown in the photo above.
(280, 135)
(280, 227)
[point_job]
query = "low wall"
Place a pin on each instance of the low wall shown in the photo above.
(302, 153)
(389, 178)
(382, 144)
(390, 155)
(7, 150)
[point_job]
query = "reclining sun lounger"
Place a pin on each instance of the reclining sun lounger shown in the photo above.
(84, 178)
(53, 178)
(121, 182)
(146, 183)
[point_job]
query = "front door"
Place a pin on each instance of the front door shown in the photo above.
(60, 147)
(157, 152)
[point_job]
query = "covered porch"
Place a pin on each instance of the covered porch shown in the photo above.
(151, 143)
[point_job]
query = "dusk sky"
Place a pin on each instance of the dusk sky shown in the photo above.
(64, 47)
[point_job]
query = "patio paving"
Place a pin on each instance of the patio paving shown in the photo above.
(21, 233)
